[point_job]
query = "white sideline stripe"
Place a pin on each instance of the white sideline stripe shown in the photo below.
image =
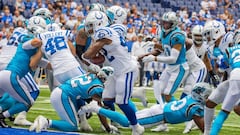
(77, 133)
(42, 109)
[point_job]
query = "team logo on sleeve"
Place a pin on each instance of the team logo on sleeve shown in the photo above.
(101, 35)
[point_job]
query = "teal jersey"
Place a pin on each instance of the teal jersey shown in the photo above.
(222, 60)
(173, 38)
(234, 56)
(81, 26)
(84, 86)
(182, 110)
(20, 61)
(49, 21)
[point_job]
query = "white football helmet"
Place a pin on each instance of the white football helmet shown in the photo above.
(95, 20)
(97, 7)
(120, 14)
(54, 27)
(212, 31)
(170, 17)
(36, 25)
(43, 12)
(201, 91)
(105, 72)
(197, 34)
(236, 38)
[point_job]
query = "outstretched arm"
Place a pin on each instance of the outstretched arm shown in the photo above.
(199, 121)
(157, 51)
(35, 59)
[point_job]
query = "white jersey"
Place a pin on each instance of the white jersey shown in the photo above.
(200, 51)
(116, 54)
(120, 29)
(226, 41)
(9, 46)
(194, 62)
(56, 49)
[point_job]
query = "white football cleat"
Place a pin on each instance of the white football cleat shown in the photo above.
(190, 125)
(40, 123)
(21, 120)
(84, 126)
(160, 128)
(137, 130)
(140, 93)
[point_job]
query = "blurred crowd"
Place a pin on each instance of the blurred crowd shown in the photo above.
(71, 14)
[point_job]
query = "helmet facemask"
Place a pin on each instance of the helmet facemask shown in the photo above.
(197, 35)
(169, 22)
(213, 30)
(197, 39)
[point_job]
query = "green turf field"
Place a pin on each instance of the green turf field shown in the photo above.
(43, 107)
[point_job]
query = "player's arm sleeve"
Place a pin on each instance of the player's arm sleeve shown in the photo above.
(195, 110)
(177, 38)
(102, 37)
(103, 33)
(169, 59)
(44, 63)
(31, 44)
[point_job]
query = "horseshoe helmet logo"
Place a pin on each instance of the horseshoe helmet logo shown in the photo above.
(36, 21)
(99, 16)
(119, 12)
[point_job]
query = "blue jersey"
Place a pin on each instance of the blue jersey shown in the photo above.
(234, 56)
(20, 61)
(182, 110)
(173, 38)
(84, 86)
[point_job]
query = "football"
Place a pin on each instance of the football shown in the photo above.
(98, 59)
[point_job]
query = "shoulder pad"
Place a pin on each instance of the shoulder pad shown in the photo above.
(120, 29)
(104, 32)
(177, 38)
